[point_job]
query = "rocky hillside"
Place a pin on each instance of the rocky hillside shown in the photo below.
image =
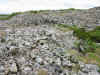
(33, 43)
(83, 18)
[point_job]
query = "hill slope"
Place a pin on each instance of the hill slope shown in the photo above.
(83, 18)
(42, 43)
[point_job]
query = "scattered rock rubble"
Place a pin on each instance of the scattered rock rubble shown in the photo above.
(41, 50)
(88, 19)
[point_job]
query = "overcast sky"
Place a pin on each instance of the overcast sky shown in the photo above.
(9, 6)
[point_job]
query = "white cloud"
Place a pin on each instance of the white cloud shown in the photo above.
(24, 5)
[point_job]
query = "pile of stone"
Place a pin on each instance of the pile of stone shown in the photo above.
(41, 50)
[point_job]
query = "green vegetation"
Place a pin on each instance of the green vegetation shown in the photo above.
(8, 16)
(35, 12)
(93, 35)
(89, 58)
(71, 9)
(3, 15)
(89, 40)
(63, 27)
(80, 33)
(38, 11)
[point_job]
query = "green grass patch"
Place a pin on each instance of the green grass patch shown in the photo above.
(81, 33)
(8, 16)
(3, 15)
(93, 35)
(89, 38)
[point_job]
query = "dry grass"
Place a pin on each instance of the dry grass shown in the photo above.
(2, 34)
(89, 58)
(42, 72)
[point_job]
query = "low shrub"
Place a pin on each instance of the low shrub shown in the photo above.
(95, 35)
(71, 9)
(35, 12)
(89, 38)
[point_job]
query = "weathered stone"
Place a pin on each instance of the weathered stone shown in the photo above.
(13, 68)
(2, 69)
(42, 49)
(82, 18)
(39, 60)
